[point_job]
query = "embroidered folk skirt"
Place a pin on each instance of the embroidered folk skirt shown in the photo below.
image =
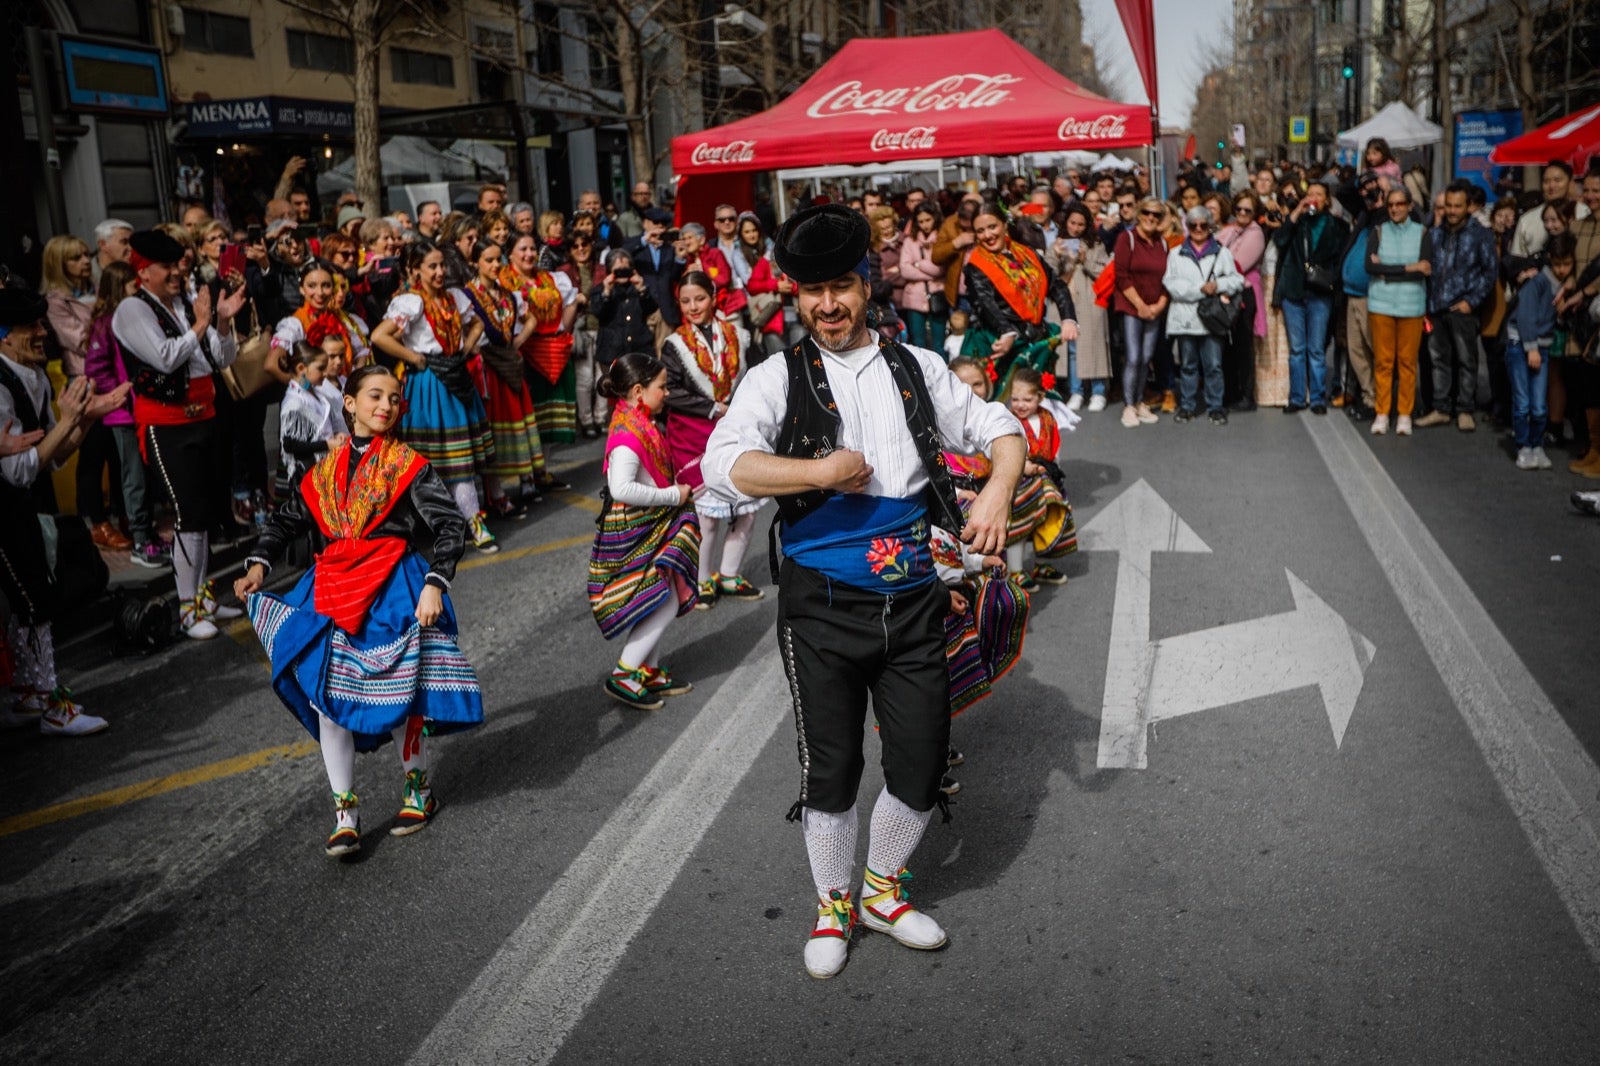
(555, 403)
(518, 449)
(370, 681)
(1042, 515)
(984, 643)
(642, 556)
(451, 433)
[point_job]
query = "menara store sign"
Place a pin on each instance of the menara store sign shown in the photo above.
(255, 115)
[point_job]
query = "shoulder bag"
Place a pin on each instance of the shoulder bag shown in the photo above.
(1217, 312)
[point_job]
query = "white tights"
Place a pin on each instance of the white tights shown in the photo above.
(189, 557)
(734, 544)
(642, 648)
(1017, 556)
(831, 841)
(339, 752)
(34, 651)
(466, 494)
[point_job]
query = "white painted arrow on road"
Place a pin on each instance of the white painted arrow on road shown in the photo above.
(1311, 645)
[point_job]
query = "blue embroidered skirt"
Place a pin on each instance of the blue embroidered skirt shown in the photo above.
(373, 680)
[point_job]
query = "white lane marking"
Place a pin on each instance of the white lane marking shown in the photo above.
(536, 988)
(1550, 782)
(1134, 525)
(1310, 645)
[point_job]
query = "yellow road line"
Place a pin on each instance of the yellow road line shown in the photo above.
(117, 797)
(581, 500)
(523, 553)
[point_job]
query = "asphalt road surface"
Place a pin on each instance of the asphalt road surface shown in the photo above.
(1299, 767)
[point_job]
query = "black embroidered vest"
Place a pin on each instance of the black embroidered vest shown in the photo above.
(811, 429)
(42, 492)
(160, 385)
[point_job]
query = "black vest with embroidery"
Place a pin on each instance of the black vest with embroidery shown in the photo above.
(42, 493)
(160, 385)
(811, 427)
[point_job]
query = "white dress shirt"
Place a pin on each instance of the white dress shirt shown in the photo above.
(22, 469)
(138, 330)
(871, 414)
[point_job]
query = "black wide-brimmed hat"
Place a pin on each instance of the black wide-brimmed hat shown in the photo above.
(822, 243)
(155, 246)
(21, 307)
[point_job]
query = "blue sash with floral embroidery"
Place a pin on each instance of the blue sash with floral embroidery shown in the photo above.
(875, 543)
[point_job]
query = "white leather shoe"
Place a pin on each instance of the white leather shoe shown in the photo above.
(1097, 402)
(829, 946)
(885, 908)
(1074, 402)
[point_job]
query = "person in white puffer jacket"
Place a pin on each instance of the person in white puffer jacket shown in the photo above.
(1197, 268)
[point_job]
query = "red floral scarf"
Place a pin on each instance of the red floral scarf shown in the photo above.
(1018, 276)
(444, 318)
(352, 569)
(541, 294)
(634, 427)
(1046, 442)
(499, 309)
(320, 325)
(721, 373)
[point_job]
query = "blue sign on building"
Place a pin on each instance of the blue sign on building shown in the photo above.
(1477, 132)
(124, 79)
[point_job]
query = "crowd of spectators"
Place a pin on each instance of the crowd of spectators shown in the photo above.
(1306, 288)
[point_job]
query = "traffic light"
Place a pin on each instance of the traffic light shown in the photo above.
(1348, 71)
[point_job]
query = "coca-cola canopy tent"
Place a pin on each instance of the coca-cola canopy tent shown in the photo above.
(940, 97)
(1575, 138)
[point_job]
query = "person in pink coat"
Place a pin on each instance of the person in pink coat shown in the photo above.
(920, 299)
(1245, 240)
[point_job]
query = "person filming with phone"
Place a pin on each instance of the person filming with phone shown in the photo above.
(654, 255)
(623, 307)
(1310, 243)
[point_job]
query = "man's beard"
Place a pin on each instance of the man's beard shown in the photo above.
(841, 336)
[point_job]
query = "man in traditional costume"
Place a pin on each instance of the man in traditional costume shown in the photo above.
(36, 442)
(847, 431)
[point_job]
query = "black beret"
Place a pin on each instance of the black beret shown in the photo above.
(822, 243)
(156, 246)
(21, 307)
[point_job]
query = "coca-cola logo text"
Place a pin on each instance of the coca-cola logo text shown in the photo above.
(917, 138)
(1104, 128)
(958, 91)
(722, 155)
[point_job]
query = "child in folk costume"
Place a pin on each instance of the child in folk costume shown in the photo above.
(506, 326)
(322, 322)
(1041, 517)
(552, 381)
(431, 330)
(363, 648)
(645, 559)
(984, 630)
(310, 425)
(704, 358)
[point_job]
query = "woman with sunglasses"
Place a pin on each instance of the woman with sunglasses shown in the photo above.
(1245, 241)
(1198, 268)
(1399, 263)
(1140, 258)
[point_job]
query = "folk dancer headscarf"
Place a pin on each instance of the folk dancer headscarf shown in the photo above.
(348, 501)
(720, 372)
(1018, 276)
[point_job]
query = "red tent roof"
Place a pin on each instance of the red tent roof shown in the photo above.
(1574, 138)
(887, 99)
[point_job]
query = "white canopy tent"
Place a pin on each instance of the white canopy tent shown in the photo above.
(403, 157)
(1397, 124)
